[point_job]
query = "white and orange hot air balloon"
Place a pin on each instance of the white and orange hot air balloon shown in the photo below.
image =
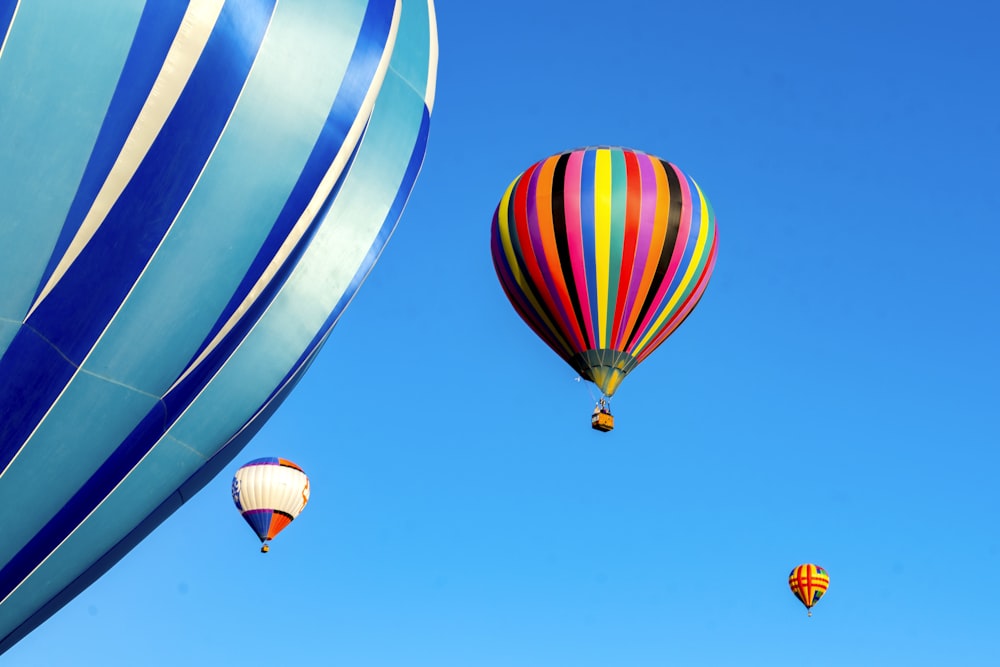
(270, 493)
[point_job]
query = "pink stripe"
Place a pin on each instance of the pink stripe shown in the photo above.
(549, 254)
(516, 296)
(686, 307)
(647, 218)
(574, 235)
(675, 260)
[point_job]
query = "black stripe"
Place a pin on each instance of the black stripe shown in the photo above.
(562, 244)
(666, 252)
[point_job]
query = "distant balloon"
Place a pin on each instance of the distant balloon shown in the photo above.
(191, 192)
(270, 493)
(808, 583)
(604, 252)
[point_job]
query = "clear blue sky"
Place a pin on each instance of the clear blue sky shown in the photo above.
(833, 399)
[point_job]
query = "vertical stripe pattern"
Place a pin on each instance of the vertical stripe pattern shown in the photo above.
(191, 193)
(604, 252)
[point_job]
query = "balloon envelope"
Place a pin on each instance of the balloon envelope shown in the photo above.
(270, 493)
(190, 195)
(808, 583)
(603, 252)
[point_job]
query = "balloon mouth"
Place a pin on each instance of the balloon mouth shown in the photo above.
(605, 368)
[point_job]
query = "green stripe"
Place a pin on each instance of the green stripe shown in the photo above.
(619, 199)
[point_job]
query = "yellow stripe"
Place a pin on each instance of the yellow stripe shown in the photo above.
(602, 237)
(699, 250)
(504, 223)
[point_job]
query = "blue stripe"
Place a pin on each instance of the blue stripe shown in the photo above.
(588, 232)
(33, 375)
(357, 80)
(688, 250)
(78, 309)
(259, 521)
(267, 460)
(155, 33)
(7, 8)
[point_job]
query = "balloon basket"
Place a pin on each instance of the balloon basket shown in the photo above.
(602, 421)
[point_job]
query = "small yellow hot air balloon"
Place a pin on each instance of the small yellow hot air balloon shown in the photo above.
(808, 583)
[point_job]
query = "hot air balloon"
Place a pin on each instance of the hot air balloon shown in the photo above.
(808, 583)
(603, 252)
(270, 493)
(191, 192)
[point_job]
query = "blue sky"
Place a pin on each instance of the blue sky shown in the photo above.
(833, 399)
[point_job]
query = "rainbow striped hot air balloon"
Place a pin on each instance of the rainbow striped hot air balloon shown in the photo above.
(191, 192)
(604, 252)
(808, 583)
(270, 493)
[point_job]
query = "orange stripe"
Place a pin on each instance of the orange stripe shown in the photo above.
(550, 251)
(530, 259)
(279, 522)
(655, 245)
(288, 464)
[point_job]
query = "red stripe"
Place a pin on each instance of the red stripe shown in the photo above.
(523, 236)
(633, 207)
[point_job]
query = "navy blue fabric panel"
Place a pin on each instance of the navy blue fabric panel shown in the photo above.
(33, 374)
(155, 33)
(80, 306)
(7, 8)
(259, 521)
(360, 71)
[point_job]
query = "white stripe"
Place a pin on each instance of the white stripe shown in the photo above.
(432, 66)
(184, 53)
(315, 204)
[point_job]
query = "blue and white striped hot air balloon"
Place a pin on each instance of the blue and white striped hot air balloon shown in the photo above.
(190, 194)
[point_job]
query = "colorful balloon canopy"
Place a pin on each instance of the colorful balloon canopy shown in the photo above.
(604, 252)
(191, 192)
(808, 583)
(270, 493)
